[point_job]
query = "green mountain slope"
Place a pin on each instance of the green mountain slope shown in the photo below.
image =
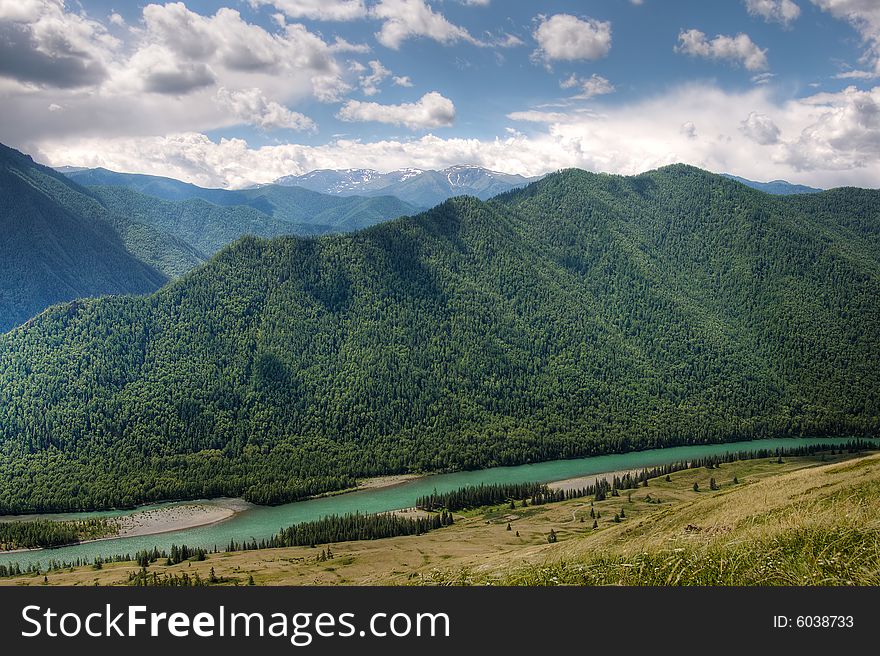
(57, 243)
(206, 226)
(584, 314)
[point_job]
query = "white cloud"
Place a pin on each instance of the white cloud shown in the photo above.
(856, 75)
(251, 107)
(595, 85)
(864, 15)
(740, 48)
(43, 44)
(160, 70)
(324, 10)
(163, 79)
(536, 116)
(761, 129)
(834, 140)
(476, 3)
(431, 111)
(408, 19)
(402, 81)
(844, 134)
(116, 19)
(774, 11)
(763, 78)
(567, 38)
(371, 81)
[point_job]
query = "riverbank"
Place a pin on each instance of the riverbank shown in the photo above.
(389, 493)
(179, 517)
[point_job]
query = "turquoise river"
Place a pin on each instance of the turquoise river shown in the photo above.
(262, 521)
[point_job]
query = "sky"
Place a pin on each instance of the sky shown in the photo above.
(238, 92)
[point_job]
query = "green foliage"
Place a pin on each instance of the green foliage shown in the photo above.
(43, 533)
(345, 528)
(476, 496)
(57, 244)
(586, 314)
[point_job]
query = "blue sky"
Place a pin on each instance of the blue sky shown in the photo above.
(236, 92)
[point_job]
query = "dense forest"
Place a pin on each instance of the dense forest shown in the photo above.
(45, 533)
(585, 314)
(57, 244)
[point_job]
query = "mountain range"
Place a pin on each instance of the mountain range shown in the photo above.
(776, 187)
(582, 314)
(419, 187)
(64, 237)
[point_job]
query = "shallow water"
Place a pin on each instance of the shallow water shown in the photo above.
(261, 522)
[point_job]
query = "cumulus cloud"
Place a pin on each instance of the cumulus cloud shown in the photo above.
(567, 38)
(251, 107)
(844, 134)
(161, 71)
(323, 10)
(824, 140)
(774, 11)
(595, 85)
(370, 82)
(41, 43)
(761, 129)
(408, 19)
(739, 49)
(431, 111)
(402, 81)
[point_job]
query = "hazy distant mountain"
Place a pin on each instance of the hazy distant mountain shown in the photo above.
(776, 187)
(416, 186)
(312, 212)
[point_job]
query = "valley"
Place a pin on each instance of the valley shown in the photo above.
(583, 315)
(806, 520)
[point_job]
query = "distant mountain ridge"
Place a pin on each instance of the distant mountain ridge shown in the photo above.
(775, 187)
(309, 212)
(425, 188)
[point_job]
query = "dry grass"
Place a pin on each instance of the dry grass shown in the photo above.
(803, 521)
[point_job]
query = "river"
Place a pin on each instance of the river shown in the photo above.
(263, 521)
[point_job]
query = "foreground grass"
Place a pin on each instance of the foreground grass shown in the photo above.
(807, 521)
(819, 526)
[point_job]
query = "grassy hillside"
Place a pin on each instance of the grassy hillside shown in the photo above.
(58, 244)
(805, 521)
(584, 314)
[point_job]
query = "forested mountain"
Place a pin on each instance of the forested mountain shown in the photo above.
(57, 243)
(205, 226)
(776, 187)
(584, 314)
(416, 186)
(311, 212)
